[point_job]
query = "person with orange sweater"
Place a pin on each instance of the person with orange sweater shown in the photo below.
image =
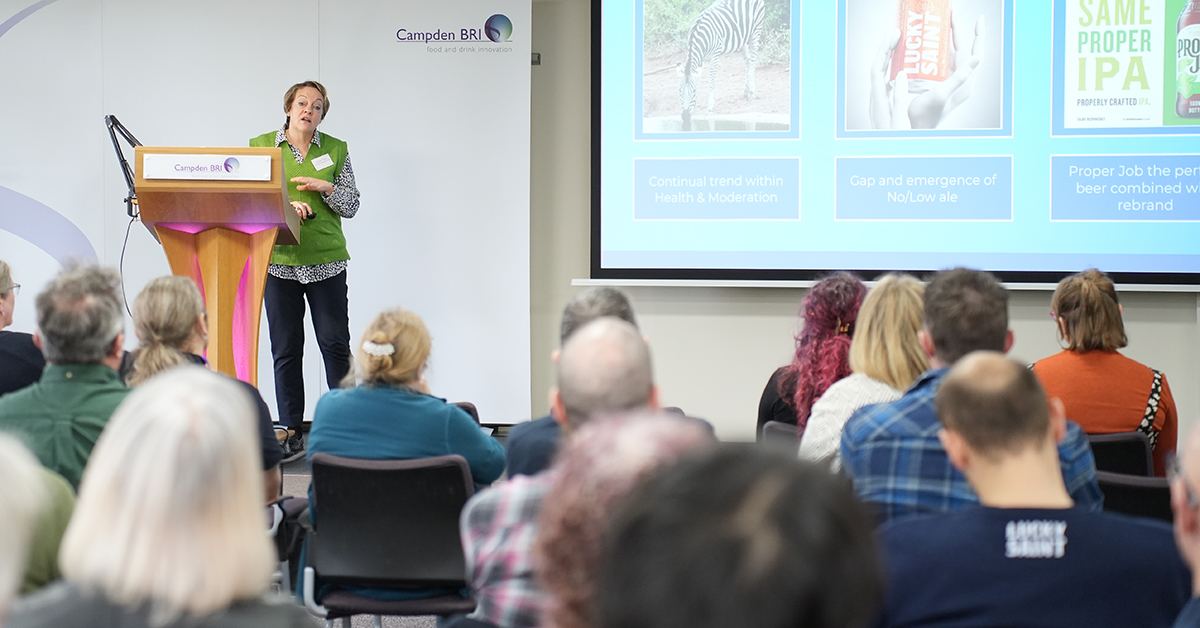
(1104, 391)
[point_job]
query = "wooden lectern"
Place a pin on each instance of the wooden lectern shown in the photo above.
(218, 228)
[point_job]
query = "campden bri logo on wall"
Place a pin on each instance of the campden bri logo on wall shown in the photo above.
(231, 164)
(496, 29)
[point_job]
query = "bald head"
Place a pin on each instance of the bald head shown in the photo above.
(604, 368)
(996, 404)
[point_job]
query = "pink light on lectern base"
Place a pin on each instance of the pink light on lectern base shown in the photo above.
(241, 323)
(195, 227)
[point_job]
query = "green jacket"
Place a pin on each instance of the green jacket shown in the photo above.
(321, 238)
(60, 416)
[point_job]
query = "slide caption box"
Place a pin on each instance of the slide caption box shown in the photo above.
(923, 188)
(716, 189)
(1128, 188)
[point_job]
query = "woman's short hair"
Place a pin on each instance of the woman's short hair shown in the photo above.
(1088, 307)
(394, 349)
(165, 314)
(6, 282)
(886, 346)
(170, 506)
(602, 463)
(290, 96)
(22, 501)
(740, 537)
(829, 311)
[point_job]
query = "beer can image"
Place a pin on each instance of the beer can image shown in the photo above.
(925, 45)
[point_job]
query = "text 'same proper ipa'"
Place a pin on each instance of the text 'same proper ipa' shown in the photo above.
(924, 49)
(1187, 61)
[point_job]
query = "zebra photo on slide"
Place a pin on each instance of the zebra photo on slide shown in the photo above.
(726, 26)
(683, 38)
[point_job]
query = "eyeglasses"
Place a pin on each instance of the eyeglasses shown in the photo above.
(16, 289)
(1175, 472)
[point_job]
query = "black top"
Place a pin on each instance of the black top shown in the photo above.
(272, 454)
(21, 362)
(772, 407)
(531, 446)
(64, 605)
(1032, 567)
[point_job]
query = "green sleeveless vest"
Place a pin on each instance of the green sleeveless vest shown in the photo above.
(321, 238)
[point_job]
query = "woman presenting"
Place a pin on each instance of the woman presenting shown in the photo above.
(322, 191)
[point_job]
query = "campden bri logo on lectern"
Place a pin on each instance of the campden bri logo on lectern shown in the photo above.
(231, 164)
(498, 28)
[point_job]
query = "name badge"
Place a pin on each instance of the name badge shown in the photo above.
(322, 162)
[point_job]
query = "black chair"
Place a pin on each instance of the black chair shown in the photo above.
(288, 535)
(1123, 452)
(387, 523)
(1136, 495)
(780, 435)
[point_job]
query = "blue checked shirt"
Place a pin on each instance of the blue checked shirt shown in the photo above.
(892, 452)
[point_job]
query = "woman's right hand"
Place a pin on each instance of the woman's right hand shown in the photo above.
(304, 210)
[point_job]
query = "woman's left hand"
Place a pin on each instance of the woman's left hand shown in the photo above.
(313, 183)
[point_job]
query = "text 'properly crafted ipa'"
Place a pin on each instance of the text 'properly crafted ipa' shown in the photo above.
(925, 41)
(1187, 61)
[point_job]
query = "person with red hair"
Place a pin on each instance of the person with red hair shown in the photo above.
(829, 312)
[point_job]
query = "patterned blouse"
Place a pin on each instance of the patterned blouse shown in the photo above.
(343, 200)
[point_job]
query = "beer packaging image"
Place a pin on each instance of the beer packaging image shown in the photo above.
(944, 57)
(1181, 81)
(1187, 62)
(1113, 74)
(924, 47)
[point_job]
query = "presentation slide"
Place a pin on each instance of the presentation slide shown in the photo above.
(781, 138)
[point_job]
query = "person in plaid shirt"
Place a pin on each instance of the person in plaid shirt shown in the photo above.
(892, 451)
(604, 368)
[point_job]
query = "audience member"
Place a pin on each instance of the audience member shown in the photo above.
(22, 502)
(892, 451)
(80, 331)
(21, 362)
(168, 530)
(828, 314)
(531, 445)
(42, 567)
(1104, 391)
(1028, 556)
(602, 463)
(391, 415)
(741, 537)
(172, 329)
(604, 368)
(885, 357)
(1185, 477)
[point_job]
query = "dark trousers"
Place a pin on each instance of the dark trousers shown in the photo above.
(284, 300)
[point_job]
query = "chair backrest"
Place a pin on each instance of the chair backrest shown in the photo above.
(779, 434)
(389, 523)
(1136, 495)
(1123, 452)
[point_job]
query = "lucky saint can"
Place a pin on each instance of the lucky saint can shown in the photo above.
(925, 45)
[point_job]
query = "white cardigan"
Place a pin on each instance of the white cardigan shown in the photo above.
(822, 437)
